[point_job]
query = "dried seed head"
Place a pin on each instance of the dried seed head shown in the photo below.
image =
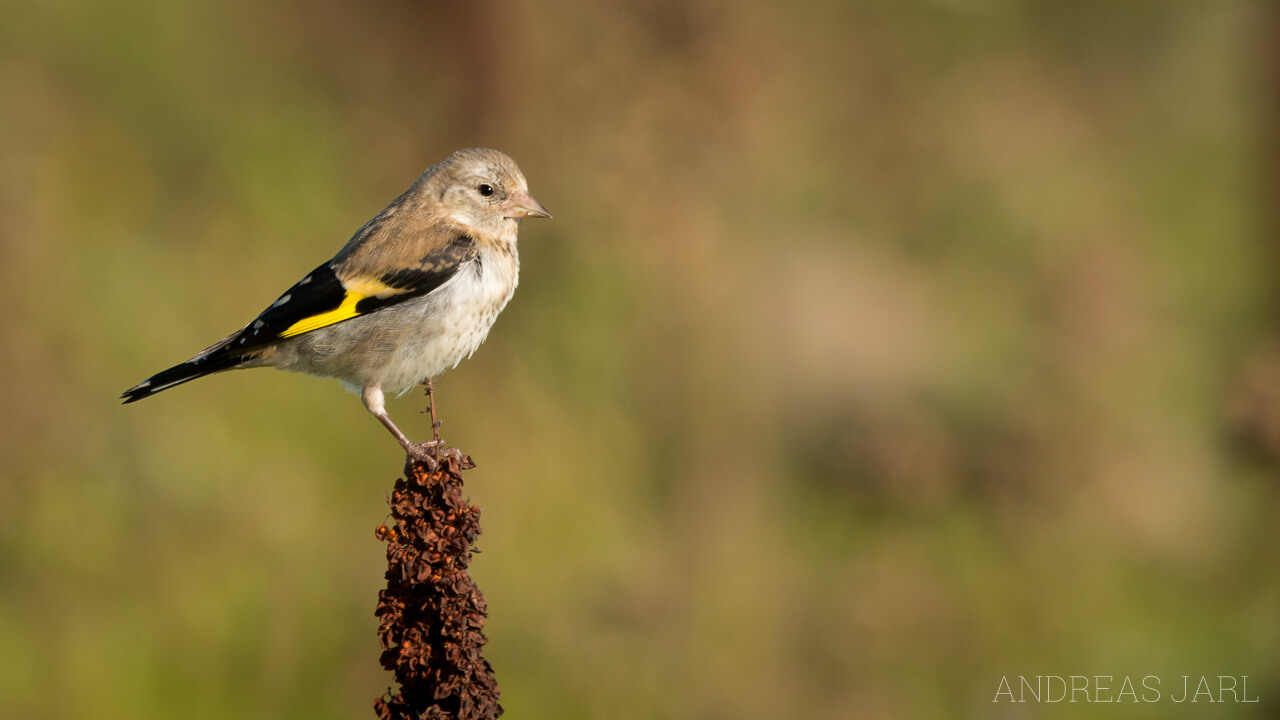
(431, 614)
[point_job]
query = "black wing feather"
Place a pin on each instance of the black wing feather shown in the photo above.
(320, 292)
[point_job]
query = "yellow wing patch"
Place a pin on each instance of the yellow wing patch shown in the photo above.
(369, 287)
(345, 311)
(356, 289)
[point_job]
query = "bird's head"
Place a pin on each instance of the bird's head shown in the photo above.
(483, 189)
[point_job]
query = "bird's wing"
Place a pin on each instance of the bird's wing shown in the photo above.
(345, 288)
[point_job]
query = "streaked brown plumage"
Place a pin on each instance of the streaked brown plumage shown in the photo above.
(410, 295)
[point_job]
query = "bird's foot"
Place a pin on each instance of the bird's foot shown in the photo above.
(427, 453)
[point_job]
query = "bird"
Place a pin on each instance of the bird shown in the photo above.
(412, 294)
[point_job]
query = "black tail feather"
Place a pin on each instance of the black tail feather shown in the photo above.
(196, 367)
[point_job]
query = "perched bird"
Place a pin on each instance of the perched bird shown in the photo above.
(410, 295)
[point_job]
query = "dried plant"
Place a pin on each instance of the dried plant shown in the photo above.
(431, 612)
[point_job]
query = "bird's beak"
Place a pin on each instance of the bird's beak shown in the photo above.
(523, 206)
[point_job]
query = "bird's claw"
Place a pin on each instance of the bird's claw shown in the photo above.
(426, 453)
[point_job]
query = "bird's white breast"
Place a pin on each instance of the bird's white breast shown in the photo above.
(402, 345)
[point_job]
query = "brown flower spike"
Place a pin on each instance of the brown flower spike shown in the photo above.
(431, 612)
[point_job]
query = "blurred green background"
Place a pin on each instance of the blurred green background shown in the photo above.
(877, 351)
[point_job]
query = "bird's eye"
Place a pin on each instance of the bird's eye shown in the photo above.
(485, 189)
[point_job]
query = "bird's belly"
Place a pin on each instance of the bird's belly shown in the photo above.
(402, 345)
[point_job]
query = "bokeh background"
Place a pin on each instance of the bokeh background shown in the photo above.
(878, 350)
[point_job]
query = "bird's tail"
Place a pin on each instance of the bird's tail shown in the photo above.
(214, 359)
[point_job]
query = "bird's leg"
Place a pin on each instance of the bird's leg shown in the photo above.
(374, 402)
(431, 405)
